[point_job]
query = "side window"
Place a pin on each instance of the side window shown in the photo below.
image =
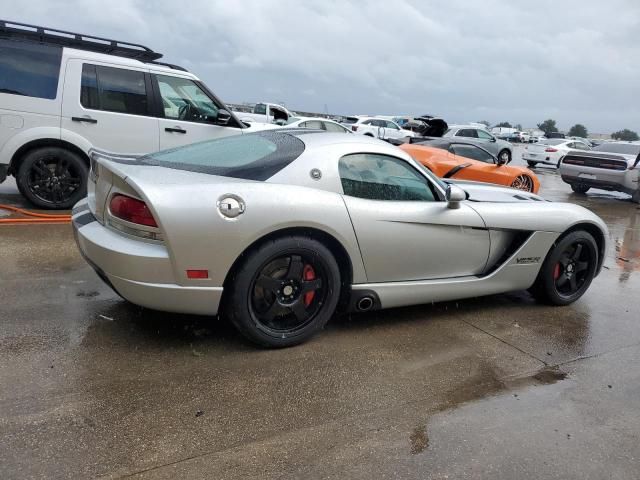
(332, 127)
(467, 132)
(470, 151)
(483, 135)
(260, 108)
(315, 124)
(379, 177)
(114, 90)
(183, 99)
(29, 70)
(391, 125)
(368, 122)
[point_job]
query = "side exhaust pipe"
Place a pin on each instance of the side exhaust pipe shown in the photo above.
(365, 304)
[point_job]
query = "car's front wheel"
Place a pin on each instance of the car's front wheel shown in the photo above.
(52, 177)
(284, 291)
(578, 188)
(568, 269)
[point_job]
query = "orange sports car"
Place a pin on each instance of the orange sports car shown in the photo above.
(464, 161)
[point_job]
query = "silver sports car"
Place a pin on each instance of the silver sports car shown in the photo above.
(277, 230)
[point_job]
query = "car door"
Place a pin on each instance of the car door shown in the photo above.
(392, 130)
(478, 165)
(109, 107)
(404, 229)
(188, 114)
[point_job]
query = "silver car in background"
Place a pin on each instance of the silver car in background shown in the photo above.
(500, 148)
(279, 229)
(613, 166)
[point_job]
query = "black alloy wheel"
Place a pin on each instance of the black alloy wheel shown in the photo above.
(283, 292)
(568, 269)
(287, 293)
(52, 178)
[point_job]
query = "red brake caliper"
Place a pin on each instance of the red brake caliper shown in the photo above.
(556, 271)
(308, 274)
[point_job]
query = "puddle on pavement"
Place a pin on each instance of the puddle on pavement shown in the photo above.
(419, 440)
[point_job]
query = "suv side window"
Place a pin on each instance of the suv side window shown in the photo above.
(471, 151)
(29, 69)
(113, 90)
(260, 109)
(380, 177)
(391, 125)
(484, 135)
(183, 99)
(467, 132)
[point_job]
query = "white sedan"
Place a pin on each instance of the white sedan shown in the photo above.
(380, 128)
(551, 150)
(317, 124)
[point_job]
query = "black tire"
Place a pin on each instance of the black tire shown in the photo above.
(268, 298)
(578, 188)
(52, 178)
(505, 155)
(531, 164)
(568, 270)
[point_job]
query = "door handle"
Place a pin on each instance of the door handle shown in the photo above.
(84, 119)
(175, 130)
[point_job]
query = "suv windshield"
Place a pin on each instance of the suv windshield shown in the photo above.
(256, 156)
(623, 148)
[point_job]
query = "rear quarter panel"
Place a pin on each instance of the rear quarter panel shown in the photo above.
(199, 237)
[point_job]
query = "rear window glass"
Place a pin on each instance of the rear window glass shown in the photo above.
(623, 148)
(29, 69)
(113, 89)
(256, 156)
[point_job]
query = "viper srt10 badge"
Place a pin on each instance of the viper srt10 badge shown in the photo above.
(527, 260)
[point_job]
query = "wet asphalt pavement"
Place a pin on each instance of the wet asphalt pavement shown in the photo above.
(497, 387)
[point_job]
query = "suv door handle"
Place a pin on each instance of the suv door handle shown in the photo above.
(175, 130)
(84, 119)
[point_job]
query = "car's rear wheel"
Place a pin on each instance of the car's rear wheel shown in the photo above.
(284, 292)
(531, 164)
(52, 177)
(505, 156)
(568, 269)
(523, 182)
(578, 188)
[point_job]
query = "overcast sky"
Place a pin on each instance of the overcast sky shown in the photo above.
(577, 61)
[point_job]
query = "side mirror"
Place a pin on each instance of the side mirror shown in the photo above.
(454, 195)
(223, 117)
(493, 139)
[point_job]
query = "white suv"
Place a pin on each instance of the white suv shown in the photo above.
(62, 94)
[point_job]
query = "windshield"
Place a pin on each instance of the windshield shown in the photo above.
(553, 141)
(256, 156)
(623, 148)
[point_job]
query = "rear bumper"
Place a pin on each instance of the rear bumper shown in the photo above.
(613, 180)
(137, 271)
(540, 158)
(4, 170)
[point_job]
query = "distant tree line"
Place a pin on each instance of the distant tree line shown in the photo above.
(578, 130)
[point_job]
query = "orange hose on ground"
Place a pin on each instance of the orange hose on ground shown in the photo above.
(38, 218)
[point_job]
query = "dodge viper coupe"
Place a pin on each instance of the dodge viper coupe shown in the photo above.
(463, 159)
(277, 230)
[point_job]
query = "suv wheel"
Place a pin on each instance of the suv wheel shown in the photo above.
(531, 164)
(578, 188)
(284, 292)
(52, 178)
(505, 156)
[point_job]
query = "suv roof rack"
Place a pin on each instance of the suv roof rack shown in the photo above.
(9, 29)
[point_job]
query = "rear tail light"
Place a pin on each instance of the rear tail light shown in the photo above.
(550, 149)
(354, 128)
(131, 210)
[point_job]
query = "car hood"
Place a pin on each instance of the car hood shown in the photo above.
(483, 192)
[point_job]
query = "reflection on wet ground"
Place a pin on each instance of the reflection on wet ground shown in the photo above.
(496, 387)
